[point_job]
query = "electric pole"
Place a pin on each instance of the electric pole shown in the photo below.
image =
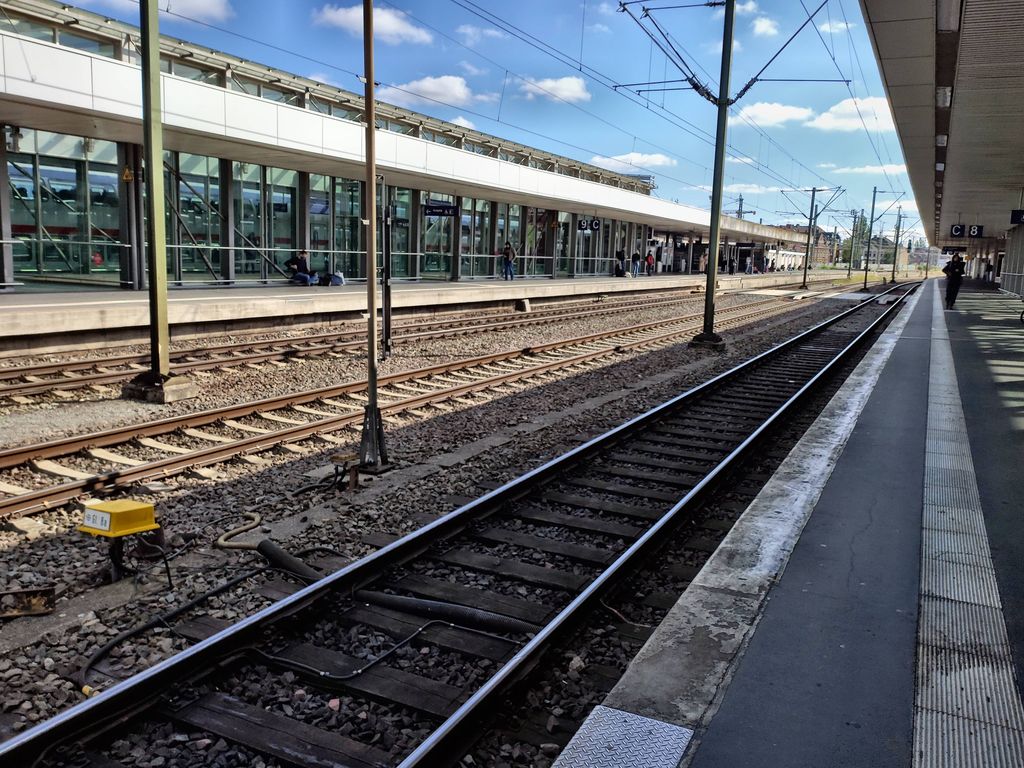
(372, 452)
(871, 226)
(810, 232)
(708, 337)
(896, 246)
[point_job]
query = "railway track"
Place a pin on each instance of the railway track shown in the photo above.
(489, 587)
(101, 462)
(20, 381)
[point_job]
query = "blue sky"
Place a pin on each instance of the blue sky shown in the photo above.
(463, 60)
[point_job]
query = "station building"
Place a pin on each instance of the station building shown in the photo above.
(260, 163)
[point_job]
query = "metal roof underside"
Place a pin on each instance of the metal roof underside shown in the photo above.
(977, 48)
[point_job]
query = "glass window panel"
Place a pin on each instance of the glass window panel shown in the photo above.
(436, 239)
(346, 113)
(316, 104)
(245, 86)
(248, 213)
(466, 226)
(348, 228)
(198, 223)
(320, 257)
(278, 95)
(482, 228)
(190, 72)
(34, 29)
(284, 223)
(88, 44)
(21, 171)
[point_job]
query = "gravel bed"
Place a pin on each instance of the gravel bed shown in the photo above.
(83, 409)
(194, 504)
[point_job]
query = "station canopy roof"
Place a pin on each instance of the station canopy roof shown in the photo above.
(953, 72)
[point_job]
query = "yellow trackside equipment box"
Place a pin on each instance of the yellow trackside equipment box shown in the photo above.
(122, 517)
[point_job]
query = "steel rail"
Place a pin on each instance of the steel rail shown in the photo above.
(275, 349)
(10, 457)
(45, 498)
(140, 691)
(282, 349)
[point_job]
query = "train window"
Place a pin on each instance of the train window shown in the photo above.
(32, 29)
(87, 44)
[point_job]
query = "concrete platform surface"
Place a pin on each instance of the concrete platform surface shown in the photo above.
(854, 616)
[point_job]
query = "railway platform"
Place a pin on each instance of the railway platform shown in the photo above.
(37, 321)
(868, 608)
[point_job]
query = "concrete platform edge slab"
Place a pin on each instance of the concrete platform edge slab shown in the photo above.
(967, 708)
(680, 675)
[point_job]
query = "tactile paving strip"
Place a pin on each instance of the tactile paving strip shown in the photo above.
(610, 738)
(967, 709)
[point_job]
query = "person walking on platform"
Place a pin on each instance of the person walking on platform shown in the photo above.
(635, 260)
(954, 272)
(508, 260)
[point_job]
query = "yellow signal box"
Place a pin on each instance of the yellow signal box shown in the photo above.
(113, 519)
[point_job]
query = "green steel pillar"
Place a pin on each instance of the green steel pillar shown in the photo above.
(157, 384)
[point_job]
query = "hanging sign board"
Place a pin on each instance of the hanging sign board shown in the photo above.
(1017, 216)
(975, 230)
(595, 225)
(439, 209)
(957, 230)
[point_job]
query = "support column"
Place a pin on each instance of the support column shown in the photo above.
(457, 241)
(6, 247)
(226, 206)
(157, 384)
(303, 217)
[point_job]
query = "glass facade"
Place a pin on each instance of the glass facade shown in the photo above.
(65, 206)
(68, 218)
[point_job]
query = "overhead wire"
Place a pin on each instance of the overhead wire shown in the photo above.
(462, 108)
(604, 80)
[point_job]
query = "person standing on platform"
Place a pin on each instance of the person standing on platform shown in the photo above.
(954, 272)
(650, 263)
(508, 260)
(635, 261)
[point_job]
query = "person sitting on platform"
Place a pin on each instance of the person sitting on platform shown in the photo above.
(299, 266)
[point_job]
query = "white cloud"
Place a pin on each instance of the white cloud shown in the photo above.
(571, 89)
(199, 10)
(765, 27)
(447, 89)
(606, 8)
(829, 27)
(603, 29)
(389, 26)
(740, 160)
(826, 165)
(475, 35)
(750, 189)
(742, 9)
(470, 69)
(769, 113)
(323, 77)
(844, 116)
(876, 169)
(631, 162)
(716, 47)
(465, 123)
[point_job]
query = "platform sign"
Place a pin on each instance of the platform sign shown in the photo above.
(975, 230)
(1017, 216)
(439, 209)
(582, 225)
(957, 230)
(595, 225)
(949, 250)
